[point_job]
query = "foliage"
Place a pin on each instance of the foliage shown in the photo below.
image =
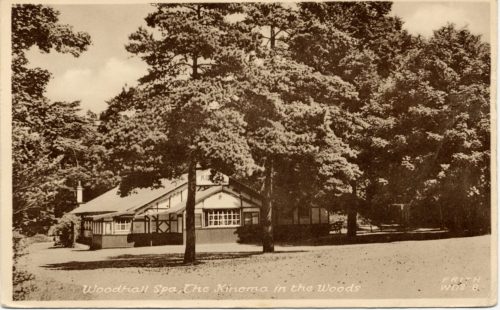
(184, 113)
(177, 121)
(22, 280)
(324, 104)
(291, 109)
(358, 42)
(439, 139)
(66, 230)
(53, 145)
(327, 99)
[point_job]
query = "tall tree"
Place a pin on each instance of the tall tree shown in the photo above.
(288, 121)
(183, 114)
(357, 41)
(439, 98)
(45, 136)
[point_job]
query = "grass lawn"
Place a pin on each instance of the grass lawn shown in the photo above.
(400, 269)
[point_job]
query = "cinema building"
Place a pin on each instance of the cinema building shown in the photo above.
(226, 212)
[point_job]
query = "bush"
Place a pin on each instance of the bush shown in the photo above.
(66, 230)
(253, 233)
(22, 283)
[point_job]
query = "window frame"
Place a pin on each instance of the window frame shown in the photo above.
(219, 218)
(122, 230)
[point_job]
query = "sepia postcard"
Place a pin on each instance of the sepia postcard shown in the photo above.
(223, 154)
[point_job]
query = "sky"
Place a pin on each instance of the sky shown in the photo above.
(106, 67)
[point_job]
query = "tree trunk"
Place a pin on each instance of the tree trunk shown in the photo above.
(73, 235)
(266, 215)
(352, 213)
(190, 252)
(441, 218)
(351, 221)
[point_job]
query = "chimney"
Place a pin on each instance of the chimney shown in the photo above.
(79, 193)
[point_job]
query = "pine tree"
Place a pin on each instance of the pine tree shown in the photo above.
(439, 100)
(184, 112)
(357, 41)
(290, 112)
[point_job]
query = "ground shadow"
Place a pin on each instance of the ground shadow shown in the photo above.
(150, 260)
(74, 249)
(370, 237)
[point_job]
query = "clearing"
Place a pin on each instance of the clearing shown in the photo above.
(444, 268)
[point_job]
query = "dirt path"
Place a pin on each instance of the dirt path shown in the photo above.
(408, 269)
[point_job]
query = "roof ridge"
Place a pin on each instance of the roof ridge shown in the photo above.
(111, 201)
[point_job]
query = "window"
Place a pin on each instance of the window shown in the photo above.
(122, 226)
(303, 211)
(97, 228)
(250, 218)
(107, 228)
(304, 215)
(223, 217)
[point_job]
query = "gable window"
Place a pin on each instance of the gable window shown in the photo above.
(222, 218)
(122, 226)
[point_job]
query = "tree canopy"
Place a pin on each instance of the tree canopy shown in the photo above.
(439, 140)
(52, 143)
(329, 104)
(184, 112)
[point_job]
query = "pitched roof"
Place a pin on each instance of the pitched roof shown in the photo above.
(110, 216)
(181, 206)
(111, 201)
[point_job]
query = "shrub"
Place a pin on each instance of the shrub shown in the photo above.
(66, 230)
(22, 283)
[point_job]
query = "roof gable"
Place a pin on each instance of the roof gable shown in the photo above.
(141, 198)
(111, 201)
(214, 197)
